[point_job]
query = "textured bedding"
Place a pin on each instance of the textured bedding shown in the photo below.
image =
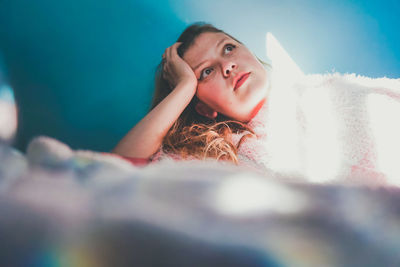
(61, 207)
(329, 128)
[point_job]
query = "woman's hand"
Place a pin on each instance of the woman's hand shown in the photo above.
(147, 136)
(176, 70)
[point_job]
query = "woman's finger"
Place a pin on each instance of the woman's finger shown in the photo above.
(165, 55)
(169, 52)
(174, 49)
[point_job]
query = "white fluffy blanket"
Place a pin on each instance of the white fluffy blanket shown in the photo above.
(326, 128)
(329, 128)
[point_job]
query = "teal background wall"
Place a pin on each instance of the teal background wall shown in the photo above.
(82, 70)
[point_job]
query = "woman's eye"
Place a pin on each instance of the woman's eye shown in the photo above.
(205, 73)
(229, 47)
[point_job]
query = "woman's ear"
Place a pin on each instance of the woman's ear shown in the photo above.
(205, 110)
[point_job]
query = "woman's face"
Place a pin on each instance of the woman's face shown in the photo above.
(219, 62)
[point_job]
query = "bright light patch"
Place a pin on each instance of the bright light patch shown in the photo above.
(283, 140)
(387, 135)
(245, 195)
(284, 66)
(8, 114)
(323, 153)
(283, 136)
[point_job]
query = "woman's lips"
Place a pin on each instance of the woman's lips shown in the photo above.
(241, 80)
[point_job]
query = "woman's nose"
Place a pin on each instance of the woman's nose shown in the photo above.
(228, 68)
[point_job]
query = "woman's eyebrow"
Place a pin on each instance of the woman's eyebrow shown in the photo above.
(218, 44)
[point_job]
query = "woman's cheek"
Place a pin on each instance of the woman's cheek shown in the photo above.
(205, 89)
(202, 92)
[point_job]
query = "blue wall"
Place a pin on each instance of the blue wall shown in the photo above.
(82, 70)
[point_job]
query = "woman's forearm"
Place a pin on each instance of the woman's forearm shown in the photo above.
(145, 138)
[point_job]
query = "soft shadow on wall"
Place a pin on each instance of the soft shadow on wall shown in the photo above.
(82, 70)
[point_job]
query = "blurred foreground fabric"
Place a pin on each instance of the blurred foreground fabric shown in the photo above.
(60, 207)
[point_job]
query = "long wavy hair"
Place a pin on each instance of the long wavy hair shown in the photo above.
(193, 134)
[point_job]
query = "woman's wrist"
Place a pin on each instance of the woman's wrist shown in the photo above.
(187, 85)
